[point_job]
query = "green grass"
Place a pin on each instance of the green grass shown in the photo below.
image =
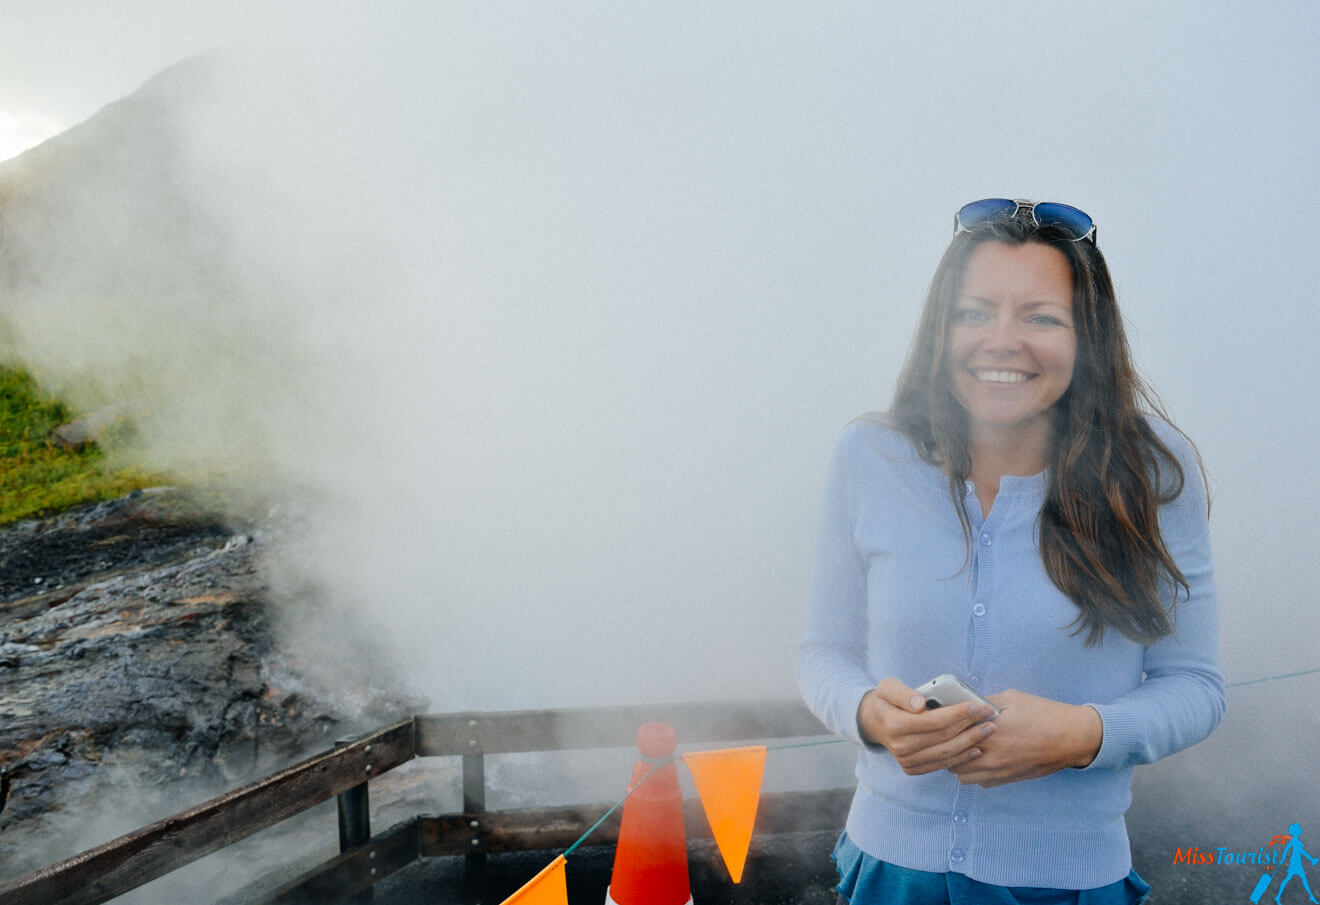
(37, 477)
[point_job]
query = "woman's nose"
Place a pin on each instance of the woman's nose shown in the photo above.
(1002, 335)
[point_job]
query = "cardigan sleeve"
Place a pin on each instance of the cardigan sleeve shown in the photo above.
(1181, 698)
(832, 671)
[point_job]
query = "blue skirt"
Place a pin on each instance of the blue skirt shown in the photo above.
(863, 880)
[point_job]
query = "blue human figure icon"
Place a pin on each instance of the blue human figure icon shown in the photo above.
(1293, 854)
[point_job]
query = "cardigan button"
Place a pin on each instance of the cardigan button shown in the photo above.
(956, 855)
(959, 817)
(986, 540)
(978, 610)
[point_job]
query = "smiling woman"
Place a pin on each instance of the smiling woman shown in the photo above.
(1025, 518)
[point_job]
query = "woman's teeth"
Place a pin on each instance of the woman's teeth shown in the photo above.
(1000, 376)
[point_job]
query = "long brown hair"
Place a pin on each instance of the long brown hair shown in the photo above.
(1108, 472)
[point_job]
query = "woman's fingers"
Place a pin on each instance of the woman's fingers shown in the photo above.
(900, 695)
(921, 740)
(1036, 737)
(961, 749)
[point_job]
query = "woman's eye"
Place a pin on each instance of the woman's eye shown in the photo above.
(1046, 320)
(969, 316)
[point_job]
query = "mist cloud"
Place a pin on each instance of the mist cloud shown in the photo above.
(543, 324)
(488, 337)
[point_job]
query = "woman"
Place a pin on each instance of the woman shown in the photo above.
(1025, 519)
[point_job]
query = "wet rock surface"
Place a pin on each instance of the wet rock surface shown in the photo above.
(136, 654)
(39, 558)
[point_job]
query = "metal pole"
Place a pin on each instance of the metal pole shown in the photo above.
(474, 804)
(354, 817)
(354, 808)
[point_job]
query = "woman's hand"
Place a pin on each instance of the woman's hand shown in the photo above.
(1034, 737)
(920, 740)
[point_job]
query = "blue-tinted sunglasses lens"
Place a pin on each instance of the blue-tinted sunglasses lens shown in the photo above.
(1076, 224)
(973, 215)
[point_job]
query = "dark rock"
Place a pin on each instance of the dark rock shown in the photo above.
(44, 562)
(97, 427)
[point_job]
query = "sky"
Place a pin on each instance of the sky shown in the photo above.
(64, 60)
(573, 302)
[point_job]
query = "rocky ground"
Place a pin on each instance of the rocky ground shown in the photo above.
(136, 656)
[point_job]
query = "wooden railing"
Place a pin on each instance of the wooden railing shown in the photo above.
(116, 867)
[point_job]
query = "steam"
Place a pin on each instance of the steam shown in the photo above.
(492, 336)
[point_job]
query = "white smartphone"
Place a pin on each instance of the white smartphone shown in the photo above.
(947, 689)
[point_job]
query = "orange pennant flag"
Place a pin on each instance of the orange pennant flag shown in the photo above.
(549, 887)
(729, 785)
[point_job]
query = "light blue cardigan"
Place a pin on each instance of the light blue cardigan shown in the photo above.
(894, 594)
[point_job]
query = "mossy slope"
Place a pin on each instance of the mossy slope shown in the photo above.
(38, 477)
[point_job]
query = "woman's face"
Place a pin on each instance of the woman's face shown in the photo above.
(1012, 344)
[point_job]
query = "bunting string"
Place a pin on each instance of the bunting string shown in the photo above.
(1290, 675)
(618, 804)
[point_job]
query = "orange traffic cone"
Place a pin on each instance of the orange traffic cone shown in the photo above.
(650, 863)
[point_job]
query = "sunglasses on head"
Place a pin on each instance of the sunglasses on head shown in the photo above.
(1076, 225)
